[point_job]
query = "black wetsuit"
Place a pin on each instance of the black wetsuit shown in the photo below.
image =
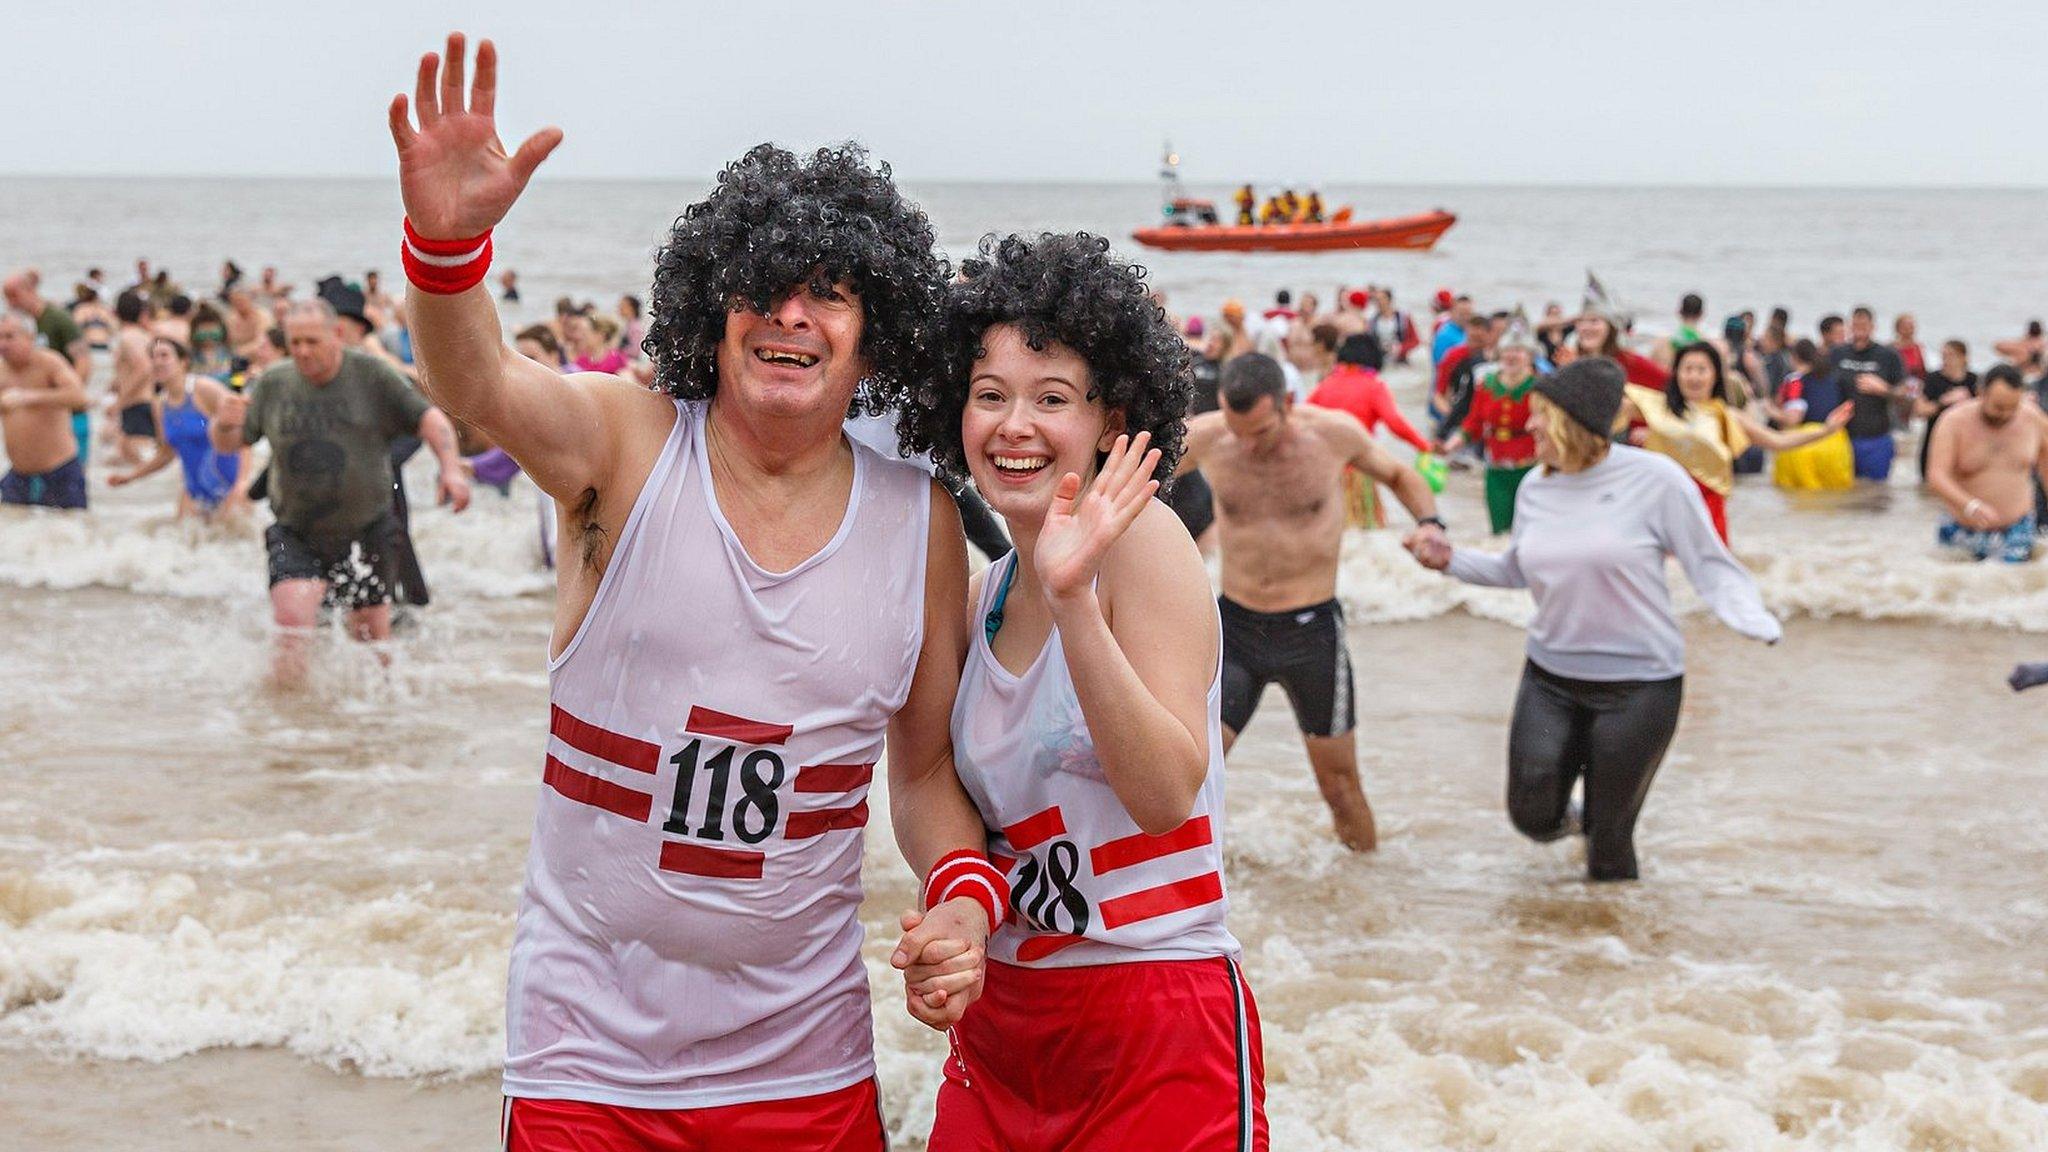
(1458, 397)
(1190, 496)
(984, 530)
(1932, 389)
(1614, 734)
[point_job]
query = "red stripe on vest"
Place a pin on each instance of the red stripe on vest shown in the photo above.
(1134, 850)
(738, 729)
(833, 777)
(719, 862)
(1164, 900)
(804, 825)
(1039, 947)
(586, 737)
(1032, 831)
(584, 788)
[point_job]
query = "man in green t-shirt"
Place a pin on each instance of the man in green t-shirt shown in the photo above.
(1691, 310)
(60, 334)
(330, 414)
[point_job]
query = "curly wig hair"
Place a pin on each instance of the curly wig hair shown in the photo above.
(777, 223)
(1064, 289)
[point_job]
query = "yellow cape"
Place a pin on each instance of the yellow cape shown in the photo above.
(1705, 441)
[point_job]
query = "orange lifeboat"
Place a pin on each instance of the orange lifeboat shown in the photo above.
(1419, 233)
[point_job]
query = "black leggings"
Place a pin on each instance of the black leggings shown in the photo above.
(1614, 733)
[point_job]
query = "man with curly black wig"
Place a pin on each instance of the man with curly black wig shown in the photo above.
(747, 603)
(1087, 729)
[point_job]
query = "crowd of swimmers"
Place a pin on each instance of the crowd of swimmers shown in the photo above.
(1819, 413)
(131, 379)
(752, 604)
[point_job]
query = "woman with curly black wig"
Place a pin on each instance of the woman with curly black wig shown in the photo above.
(1113, 1016)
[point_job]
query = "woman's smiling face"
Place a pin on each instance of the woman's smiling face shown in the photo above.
(1030, 420)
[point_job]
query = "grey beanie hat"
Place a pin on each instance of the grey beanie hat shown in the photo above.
(1588, 390)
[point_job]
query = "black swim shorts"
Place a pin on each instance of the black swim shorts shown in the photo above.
(1302, 650)
(358, 569)
(138, 420)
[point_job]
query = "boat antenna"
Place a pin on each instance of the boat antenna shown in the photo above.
(1169, 171)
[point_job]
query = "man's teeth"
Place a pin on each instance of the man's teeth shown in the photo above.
(1021, 463)
(794, 359)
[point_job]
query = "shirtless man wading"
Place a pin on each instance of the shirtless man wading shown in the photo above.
(38, 392)
(133, 386)
(1278, 473)
(1981, 460)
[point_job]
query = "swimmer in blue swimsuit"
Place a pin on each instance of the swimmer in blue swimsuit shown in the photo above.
(184, 405)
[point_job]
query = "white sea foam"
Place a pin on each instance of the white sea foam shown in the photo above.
(1820, 563)
(130, 542)
(141, 966)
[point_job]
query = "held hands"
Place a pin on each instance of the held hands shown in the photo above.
(943, 956)
(1079, 528)
(456, 179)
(1430, 547)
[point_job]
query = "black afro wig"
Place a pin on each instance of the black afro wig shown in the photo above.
(776, 223)
(1065, 289)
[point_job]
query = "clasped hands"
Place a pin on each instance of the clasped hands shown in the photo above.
(943, 956)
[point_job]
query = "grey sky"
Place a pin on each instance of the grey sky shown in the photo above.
(1478, 91)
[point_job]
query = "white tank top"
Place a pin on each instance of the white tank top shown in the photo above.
(688, 934)
(1086, 885)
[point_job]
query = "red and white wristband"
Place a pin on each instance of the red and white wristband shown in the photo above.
(445, 267)
(968, 873)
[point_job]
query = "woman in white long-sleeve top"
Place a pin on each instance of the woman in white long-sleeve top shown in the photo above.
(1606, 660)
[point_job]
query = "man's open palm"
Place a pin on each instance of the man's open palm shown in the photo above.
(455, 175)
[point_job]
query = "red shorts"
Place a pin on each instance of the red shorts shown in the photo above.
(1154, 1056)
(1717, 510)
(849, 1120)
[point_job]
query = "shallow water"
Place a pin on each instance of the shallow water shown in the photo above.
(231, 917)
(1837, 943)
